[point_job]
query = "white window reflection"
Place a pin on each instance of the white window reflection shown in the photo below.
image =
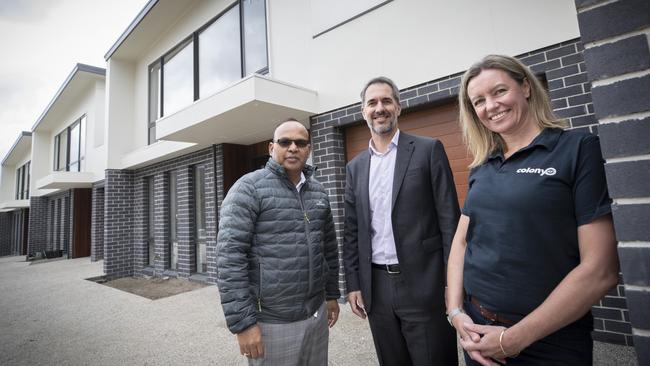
(254, 35)
(219, 53)
(178, 91)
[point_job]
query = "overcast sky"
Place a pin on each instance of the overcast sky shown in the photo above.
(41, 42)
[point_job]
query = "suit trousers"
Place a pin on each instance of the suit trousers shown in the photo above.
(406, 333)
(301, 343)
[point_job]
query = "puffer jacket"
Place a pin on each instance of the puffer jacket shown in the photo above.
(277, 255)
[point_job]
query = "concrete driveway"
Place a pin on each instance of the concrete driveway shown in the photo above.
(50, 315)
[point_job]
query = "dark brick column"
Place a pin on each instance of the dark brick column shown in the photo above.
(56, 225)
(329, 156)
(161, 219)
(97, 223)
(38, 224)
(615, 36)
(118, 223)
(214, 196)
(186, 220)
(50, 224)
(68, 203)
(5, 233)
(140, 224)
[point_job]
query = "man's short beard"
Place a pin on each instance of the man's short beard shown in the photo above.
(387, 129)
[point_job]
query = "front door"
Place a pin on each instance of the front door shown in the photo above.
(82, 218)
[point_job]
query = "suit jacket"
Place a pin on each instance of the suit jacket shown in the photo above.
(424, 217)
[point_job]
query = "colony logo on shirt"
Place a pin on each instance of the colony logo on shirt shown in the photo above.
(541, 171)
(321, 203)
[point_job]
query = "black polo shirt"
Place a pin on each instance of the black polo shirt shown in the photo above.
(524, 213)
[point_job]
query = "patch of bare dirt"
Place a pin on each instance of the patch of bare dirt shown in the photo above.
(154, 288)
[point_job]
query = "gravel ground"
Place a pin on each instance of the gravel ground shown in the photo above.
(50, 315)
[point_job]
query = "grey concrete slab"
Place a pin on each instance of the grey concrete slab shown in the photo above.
(50, 315)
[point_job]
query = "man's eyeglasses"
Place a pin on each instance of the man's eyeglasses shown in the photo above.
(287, 142)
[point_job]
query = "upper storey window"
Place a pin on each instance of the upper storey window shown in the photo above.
(69, 146)
(22, 182)
(231, 46)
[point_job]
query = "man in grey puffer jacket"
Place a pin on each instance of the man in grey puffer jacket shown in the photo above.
(277, 257)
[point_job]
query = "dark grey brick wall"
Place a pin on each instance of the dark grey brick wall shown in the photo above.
(50, 223)
(561, 65)
(97, 223)
(183, 167)
(118, 223)
(62, 223)
(613, 19)
(131, 252)
(161, 221)
(5, 233)
(140, 220)
(618, 60)
(37, 236)
(214, 195)
(186, 221)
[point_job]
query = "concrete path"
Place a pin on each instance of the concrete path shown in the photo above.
(50, 315)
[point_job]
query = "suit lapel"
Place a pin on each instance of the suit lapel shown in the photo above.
(404, 152)
(364, 180)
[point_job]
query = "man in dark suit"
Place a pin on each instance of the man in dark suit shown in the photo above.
(401, 213)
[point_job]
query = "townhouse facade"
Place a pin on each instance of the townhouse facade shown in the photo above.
(14, 196)
(68, 156)
(194, 89)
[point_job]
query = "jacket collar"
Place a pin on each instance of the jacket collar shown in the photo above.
(278, 169)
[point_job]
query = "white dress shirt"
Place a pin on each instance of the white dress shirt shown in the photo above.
(380, 192)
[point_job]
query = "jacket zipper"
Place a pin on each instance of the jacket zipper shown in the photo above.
(306, 221)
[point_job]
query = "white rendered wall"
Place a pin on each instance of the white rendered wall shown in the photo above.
(95, 160)
(41, 161)
(121, 125)
(7, 183)
(409, 41)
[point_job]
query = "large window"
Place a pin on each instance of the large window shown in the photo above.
(220, 54)
(69, 147)
(178, 89)
(22, 182)
(229, 47)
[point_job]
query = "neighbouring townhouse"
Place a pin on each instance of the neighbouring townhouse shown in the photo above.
(195, 88)
(68, 157)
(14, 196)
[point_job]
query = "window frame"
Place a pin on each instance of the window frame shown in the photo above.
(65, 166)
(196, 73)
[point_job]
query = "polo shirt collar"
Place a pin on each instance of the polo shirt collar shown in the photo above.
(547, 138)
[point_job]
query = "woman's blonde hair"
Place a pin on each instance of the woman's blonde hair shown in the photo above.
(480, 140)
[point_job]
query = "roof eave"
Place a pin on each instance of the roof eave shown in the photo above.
(134, 24)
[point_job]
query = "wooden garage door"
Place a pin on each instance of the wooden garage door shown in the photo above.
(439, 122)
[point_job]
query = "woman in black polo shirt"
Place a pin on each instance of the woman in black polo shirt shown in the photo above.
(535, 246)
